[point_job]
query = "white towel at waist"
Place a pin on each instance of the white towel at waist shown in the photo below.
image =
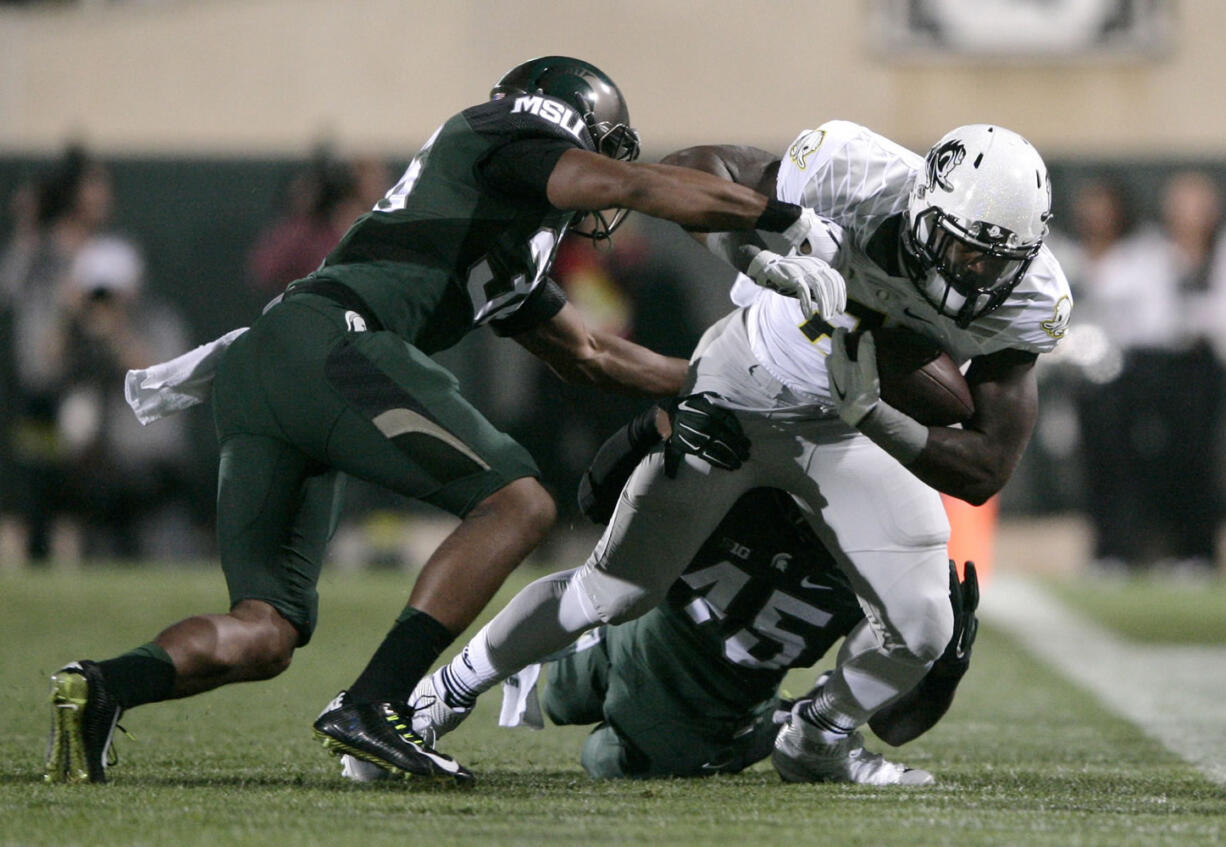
(183, 382)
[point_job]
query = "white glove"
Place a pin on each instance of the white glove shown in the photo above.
(819, 287)
(853, 382)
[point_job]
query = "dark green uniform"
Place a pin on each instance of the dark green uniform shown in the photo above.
(336, 377)
(690, 688)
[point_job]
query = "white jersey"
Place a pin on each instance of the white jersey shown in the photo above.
(859, 182)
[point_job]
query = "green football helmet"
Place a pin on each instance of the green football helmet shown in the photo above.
(598, 101)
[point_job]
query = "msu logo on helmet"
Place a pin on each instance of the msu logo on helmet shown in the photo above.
(599, 106)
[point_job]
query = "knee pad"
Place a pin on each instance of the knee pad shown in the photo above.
(926, 629)
(616, 600)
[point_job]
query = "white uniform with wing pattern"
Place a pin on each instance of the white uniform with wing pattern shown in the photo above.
(886, 528)
(857, 180)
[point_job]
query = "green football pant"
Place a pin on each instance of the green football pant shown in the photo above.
(665, 700)
(300, 399)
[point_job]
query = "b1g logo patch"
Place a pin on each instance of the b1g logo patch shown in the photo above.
(1057, 325)
(806, 146)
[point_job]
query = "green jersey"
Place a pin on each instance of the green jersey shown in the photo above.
(467, 234)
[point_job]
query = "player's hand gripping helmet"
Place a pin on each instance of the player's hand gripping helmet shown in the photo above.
(601, 105)
(976, 218)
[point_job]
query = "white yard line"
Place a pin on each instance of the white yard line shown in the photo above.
(1177, 695)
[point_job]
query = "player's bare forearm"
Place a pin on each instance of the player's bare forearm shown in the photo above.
(692, 198)
(583, 356)
(975, 462)
(622, 365)
(748, 166)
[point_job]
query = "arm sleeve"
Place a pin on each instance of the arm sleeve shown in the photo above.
(522, 168)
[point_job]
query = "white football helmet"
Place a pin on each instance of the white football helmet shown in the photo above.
(976, 218)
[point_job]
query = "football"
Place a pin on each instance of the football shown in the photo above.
(920, 379)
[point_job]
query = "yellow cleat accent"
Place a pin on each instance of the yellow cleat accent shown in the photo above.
(66, 748)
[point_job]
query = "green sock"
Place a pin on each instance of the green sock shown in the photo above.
(143, 675)
(402, 659)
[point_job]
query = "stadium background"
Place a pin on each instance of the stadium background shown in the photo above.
(205, 111)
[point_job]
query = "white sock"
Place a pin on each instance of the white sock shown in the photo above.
(831, 725)
(467, 675)
(541, 619)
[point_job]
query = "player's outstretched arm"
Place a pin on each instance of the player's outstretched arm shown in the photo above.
(748, 166)
(586, 181)
(582, 355)
(805, 272)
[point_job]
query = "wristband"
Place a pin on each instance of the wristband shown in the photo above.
(777, 216)
(899, 434)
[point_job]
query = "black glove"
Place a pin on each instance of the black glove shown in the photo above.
(705, 430)
(964, 596)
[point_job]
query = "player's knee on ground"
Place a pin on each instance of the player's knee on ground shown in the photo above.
(606, 755)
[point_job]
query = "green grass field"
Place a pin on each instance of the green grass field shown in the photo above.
(1150, 608)
(1023, 758)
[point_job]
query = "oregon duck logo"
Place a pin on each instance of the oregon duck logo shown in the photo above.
(806, 146)
(941, 160)
(1058, 324)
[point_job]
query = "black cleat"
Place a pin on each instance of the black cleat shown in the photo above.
(83, 720)
(382, 734)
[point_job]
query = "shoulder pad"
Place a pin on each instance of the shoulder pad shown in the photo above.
(1040, 308)
(529, 115)
(843, 168)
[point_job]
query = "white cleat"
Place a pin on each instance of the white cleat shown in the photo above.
(432, 717)
(801, 755)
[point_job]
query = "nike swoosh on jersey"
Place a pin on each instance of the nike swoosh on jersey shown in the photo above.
(806, 582)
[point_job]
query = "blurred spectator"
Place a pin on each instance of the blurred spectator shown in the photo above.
(1150, 403)
(320, 204)
(1188, 387)
(15, 259)
(78, 323)
(129, 482)
(1105, 262)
